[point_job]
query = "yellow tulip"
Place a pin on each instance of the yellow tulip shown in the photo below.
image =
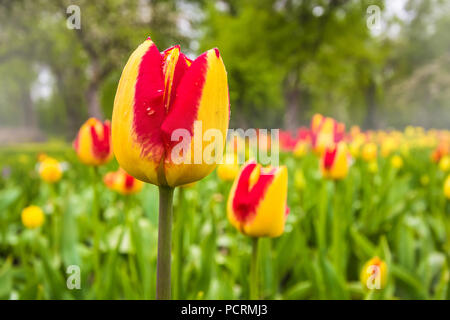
(50, 170)
(447, 187)
(228, 170)
(369, 151)
(162, 98)
(397, 162)
(257, 201)
(444, 163)
(32, 217)
(374, 274)
(388, 146)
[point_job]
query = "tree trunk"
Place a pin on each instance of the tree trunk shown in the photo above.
(292, 108)
(30, 119)
(93, 101)
(370, 121)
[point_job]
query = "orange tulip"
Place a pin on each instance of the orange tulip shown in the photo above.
(93, 142)
(158, 93)
(257, 201)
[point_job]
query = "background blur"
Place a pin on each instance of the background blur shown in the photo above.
(286, 60)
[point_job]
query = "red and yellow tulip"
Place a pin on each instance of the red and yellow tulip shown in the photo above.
(93, 142)
(325, 132)
(158, 93)
(257, 201)
(122, 182)
(334, 163)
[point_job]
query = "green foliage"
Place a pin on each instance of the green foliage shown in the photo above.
(331, 231)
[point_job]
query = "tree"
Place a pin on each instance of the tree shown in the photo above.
(287, 52)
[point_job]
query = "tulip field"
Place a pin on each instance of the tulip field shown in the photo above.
(355, 200)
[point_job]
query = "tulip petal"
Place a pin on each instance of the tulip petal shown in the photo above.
(271, 210)
(202, 95)
(138, 113)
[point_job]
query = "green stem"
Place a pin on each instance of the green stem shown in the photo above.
(54, 219)
(254, 271)
(179, 245)
(96, 226)
(164, 243)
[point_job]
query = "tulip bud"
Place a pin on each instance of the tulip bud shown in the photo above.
(334, 163)
(374, 274)
(50, 170)
(32, 217)
(122, 182)
(160, 99)
(93, 142)
(257, 201)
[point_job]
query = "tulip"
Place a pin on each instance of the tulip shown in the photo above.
(93, 142)
(374, 274)
(122, 182)
(257, 207)
(355, 145)
(388, 146)
(447, 187)
(325, 132)
(369, 151)
(257, 201)
(162, 98)
(32, 217)
(159, 93)
(50, 170)
(334, 163)
(228, 170)
(397, 162)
